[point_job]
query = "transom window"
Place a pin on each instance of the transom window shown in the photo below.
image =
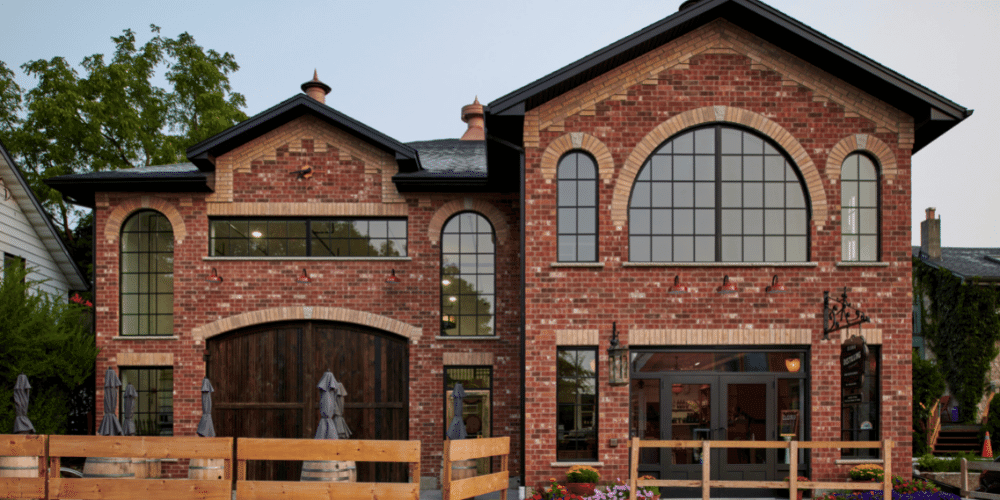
(147, 275)
(308, 238)
(577, 208)
(859, 209)
(468, 255)
(718, 194)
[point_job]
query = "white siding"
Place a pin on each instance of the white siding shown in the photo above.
(18, 237)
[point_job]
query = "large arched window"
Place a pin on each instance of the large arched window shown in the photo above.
(859, 209)
(577, 208)
(147, 275)
(468, 262)
(718, 194)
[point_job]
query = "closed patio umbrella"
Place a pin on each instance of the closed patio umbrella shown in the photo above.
(329, 470)
(110, 426)
(338, 413)
(21, 389)
(205, 426)
(328, 389)
(128, 410)
(206, 468)
(456, 430)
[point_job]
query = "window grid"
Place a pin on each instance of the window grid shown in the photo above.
(308, 238)
(577, 207)
(468, 255)
(718, 194)
(576, 404)
(859, 201)
(154, 408)
(147, 275)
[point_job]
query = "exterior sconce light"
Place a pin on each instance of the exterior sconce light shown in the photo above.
(727, 287)
(617, 360)
(793, 364)
(677, 389)
(392, 279)
(448, 322)
(775, 287)
(214, 277)
(678, 287)
(304, 278)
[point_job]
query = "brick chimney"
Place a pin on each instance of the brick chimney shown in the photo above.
(474, 116)
(316, 89)
(930, 236)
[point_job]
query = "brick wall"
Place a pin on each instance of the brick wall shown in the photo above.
(718, 73)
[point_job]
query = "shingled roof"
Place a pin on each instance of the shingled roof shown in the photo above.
(967, 263)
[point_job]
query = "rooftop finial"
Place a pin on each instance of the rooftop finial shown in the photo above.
(316, 89)
(474, 116)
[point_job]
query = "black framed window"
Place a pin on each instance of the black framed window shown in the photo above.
(859, 411)
(468, 275)
(341, 237)
(859, 202)
(154, 409)
(12, 264)
(718, 194)
(577, 205)
(147, 275)
(477, 382)
(576, 401)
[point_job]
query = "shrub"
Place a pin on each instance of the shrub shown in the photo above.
(930, 463)
(553, 491)
(866, 472)
(582, 474)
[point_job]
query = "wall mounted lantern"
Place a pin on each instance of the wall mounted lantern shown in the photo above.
(214, 277)
(617, 359)
(727, 287)
(304, 278)
(678, 286)
(392, 279)
(775, 287)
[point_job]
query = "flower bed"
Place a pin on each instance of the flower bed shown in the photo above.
(902, 489)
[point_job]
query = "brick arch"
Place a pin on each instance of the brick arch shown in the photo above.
(492, 213)
(275, 314)
(714, 114)
(113, 227)
(861, 142)
(578, 141)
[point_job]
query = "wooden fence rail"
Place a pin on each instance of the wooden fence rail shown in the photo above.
(327, 449)
(471, 449)
(982, 466)
(793, 484)
(20, 445)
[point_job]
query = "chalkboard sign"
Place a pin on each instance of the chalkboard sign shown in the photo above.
(789, 423)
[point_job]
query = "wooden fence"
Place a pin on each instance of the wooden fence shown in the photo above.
(18, 445)
(981, 466)
(792, 484)
(471, 449)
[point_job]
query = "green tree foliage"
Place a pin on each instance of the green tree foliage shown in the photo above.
(49, 341)
(928, 387)
(108, 114)
(963, 327)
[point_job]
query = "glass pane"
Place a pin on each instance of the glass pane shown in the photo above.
(684, 144)
(640, 195)
(795, 249)
(449, 243)
(774, 194)
(567, 193)
(691, 419)
(587, 222)
(774, 168)
(796, 221)
(849, 248)
(683, 168)
(704, 141)
(704, 194)
(567, 167)
(731, 141)
(683, 249)
(585, 169)
(774, 221)
(752, 144)
(662, 168)
(849, 194)
(704, 221)
(683, 221)
(587, 247)
(753, 249)
(794, 198)
(662, 194)
(732, 222)
(869, 220)
(732, 168)
(567, 223)
(567, 248)
(774, 249)
(747, 421)
(753, 168)
(704, 249)
(704, 168)
(866, 169)
(644, 416)
(638, 247)
(753, 195)
(753, 222)
(732, 194)
(868, 195)
(849, 171)
(638, 221)
(789, 400)
(732, 249)
(662, 221)
(662, 249)
(683, 194)
(587, 193)
(869, 248)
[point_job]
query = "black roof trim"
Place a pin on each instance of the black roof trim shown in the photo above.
(204, 153)
(933, 114)
(80, 189)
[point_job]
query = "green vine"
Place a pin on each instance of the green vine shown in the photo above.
(961, 324)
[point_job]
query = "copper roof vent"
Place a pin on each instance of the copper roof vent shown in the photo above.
(316, 89)
(474, 116)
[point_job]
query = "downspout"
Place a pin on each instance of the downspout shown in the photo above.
(524, 413)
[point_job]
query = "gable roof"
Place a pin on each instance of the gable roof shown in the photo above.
(966, 263)
(18, 186)
(204, 153)
(933, 114)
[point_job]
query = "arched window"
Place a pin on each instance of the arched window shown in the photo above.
(718, 194)
(468, 256)
(577, 208)
(859, 209)
(147, 275)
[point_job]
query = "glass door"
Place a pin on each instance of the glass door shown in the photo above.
(747, 413)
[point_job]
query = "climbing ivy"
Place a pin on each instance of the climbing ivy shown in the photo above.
(928, 386)
(961, 323)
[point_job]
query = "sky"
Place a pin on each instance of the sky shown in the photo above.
(406, 68)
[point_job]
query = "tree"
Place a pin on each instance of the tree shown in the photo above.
(48, 340)
(113, 116)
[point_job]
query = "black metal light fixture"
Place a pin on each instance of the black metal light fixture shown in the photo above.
(727, 287)
(678, 287)
(617, 359)
(214, 277)
(839, 314)
(775, 287)
(392, 279)
(305, 279)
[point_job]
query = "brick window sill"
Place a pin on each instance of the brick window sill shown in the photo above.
(862, 264)
(720, 264)
(577, 264)
(304, 258)
(145, 337)
(467, 337)
(570, 464)
(858, 461)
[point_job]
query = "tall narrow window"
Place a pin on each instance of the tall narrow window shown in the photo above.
(14, 265)
(468, 255)
(576, 401)
(147, 275)
(577, 208)
(859, 209)
(154, 411)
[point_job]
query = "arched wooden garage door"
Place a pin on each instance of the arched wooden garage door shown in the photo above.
(265, 381)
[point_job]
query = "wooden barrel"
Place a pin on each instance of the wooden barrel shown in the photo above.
(153, 468)
(207, 468)
(329, 470)
(18, 466)
(108, 467)
(463, 469)
(144, 467)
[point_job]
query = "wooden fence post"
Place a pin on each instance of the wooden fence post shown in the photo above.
(706, 469)
(965, 478)
(446, 472)
(887, 469)
(633, 468)
(793, 469)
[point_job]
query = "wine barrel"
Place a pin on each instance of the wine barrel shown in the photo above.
(207, 468)
(18, 466)
(143, 468)
(463, 469)
(153, 470)
(108, 467)
(329, 470)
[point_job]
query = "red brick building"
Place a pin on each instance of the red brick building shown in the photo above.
(666, 184)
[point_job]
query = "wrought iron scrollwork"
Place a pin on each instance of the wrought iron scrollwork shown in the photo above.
(839, 314)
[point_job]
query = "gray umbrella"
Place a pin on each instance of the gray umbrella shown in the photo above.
(343, 431)
(457, 428)
(128, 410)
(205, 427)
(327, 395)
(109, 424)
(21, 389)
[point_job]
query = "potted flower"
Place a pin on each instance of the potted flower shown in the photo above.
(581, 480)
(553, 491)
(866, 472)
(799, 479)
